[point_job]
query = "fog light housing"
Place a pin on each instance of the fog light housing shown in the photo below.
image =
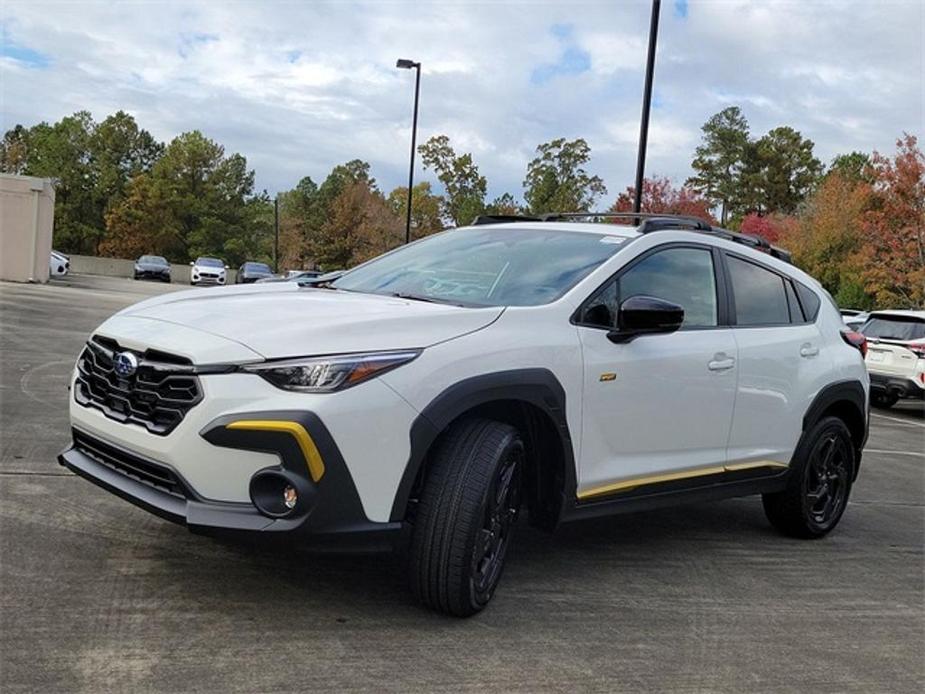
(279, 493)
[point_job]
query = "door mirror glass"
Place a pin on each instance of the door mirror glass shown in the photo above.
(646, 315)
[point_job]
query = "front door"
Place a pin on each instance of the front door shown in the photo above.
(658, 408)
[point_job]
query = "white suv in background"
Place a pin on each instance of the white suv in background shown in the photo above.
(895, 355)
(423, 400)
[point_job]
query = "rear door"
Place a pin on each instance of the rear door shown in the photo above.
(783, 362)
(657, 408)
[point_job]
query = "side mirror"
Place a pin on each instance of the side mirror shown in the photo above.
(645, 315)
(227, 268)
(191, 263)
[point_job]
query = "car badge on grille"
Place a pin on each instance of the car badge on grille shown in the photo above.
(125, 364)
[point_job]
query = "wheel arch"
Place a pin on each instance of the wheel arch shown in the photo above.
(846, 400)
(533, 401)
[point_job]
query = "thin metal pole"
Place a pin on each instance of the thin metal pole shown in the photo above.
(646, 103)
(276, 228)
(414, 133)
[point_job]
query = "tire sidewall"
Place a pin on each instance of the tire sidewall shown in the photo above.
(512, 445)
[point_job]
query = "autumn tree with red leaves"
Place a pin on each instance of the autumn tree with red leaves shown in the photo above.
(659, 195)
(893, 256)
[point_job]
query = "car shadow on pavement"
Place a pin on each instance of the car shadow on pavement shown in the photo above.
(342, 587)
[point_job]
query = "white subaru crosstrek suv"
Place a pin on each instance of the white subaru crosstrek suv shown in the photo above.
(895, 356)
(422, 400)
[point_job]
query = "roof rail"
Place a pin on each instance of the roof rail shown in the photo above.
(649, 222)
(503, 218)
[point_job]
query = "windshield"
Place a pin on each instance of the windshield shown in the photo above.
(257, 267)
(152, 260)
(210, 262)
(894, 328)
(485, 267)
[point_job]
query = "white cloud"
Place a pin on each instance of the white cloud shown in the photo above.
(300, 87)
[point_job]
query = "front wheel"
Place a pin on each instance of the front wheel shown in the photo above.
(819, 485)
(467, 510)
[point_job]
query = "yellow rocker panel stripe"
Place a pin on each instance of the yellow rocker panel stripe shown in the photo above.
(626, 485)
(297, 431)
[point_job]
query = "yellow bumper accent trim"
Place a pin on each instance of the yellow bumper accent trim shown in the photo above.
(626, 485)
(297, 431)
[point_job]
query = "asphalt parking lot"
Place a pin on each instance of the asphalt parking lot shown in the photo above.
(97, 595)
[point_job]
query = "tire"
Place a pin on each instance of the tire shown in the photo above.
(883, 400)
(467, 510)
(819, 484)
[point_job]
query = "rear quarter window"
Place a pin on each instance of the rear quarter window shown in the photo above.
(810, 301)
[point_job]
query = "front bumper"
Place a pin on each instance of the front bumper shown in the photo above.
(208, 279)
(163, 276)
(903, 387)
(329, 514)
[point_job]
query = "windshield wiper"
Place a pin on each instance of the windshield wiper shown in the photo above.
(416, 297)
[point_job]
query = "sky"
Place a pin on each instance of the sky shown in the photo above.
(298, 87)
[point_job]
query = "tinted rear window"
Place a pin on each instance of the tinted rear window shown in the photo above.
(760, 298)
(894, 328)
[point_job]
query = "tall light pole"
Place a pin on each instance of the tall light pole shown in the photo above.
(411, 65)
(646, 102)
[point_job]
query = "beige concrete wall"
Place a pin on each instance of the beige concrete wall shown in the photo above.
(119, 267)
(27, 213)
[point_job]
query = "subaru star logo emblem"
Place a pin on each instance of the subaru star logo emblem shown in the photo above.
(125, 364)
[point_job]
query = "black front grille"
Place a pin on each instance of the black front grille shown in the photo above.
(153, 474)
(157, 396)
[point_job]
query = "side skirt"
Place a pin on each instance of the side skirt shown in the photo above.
(721, 486)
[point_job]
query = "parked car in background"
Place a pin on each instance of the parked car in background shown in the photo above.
(252, 272)
(207, 271)
(293, 276)
(895, 355)
(152, 267)
(853, 317)
(58, 264)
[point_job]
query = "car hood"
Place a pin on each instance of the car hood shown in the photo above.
(278, 320)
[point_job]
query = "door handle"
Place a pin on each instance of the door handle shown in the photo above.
(808, 350)
(721, 363)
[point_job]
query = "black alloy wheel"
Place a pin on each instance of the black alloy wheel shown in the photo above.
(819, 482)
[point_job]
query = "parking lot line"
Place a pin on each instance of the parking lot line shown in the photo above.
(898, 420)
(875, 450)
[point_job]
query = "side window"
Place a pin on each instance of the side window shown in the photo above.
(683, 276)
(760, 297)
(810, 301)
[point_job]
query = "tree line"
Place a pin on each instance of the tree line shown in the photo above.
(856, 224)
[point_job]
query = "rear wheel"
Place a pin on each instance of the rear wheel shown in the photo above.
(465, 517)
(883, 400)
(819, 485)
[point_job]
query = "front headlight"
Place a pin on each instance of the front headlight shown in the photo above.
(326, 374)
